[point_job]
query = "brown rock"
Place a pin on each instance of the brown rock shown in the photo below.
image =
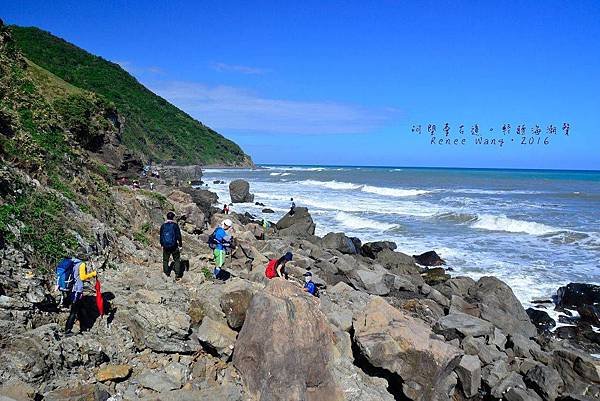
(283, 350)
(394, 340)
(113, 373)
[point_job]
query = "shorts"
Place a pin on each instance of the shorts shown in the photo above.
(219, 255)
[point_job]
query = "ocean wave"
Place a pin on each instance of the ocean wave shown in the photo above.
(456, 217)
(292, 168)
(281, 174)
(330, 184)
(384, 191)
(357, 223)
(502, 223)
(397, 192)
(491, 191)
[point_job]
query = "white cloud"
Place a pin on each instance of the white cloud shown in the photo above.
(223, 67)
(226, 107)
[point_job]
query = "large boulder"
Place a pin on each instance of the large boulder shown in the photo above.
(430, 258)
(175, 175)
(239, 191)
(395, 341)
(371, 249)
(300, 224)
(397, 262)
(159, 328)
(288, 351)
(460, 325)
(499, 305)
(376, 282)
(574, 295)
(340, 242)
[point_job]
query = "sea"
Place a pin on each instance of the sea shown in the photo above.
(534, 229)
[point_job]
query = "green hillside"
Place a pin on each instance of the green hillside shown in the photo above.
(153, 127)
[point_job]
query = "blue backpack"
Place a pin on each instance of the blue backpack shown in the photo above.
(168, 236)
(64, 274)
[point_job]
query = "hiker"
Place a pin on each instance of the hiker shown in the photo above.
(226, 209)
(151, 186)
(276, 267)
(309, 286)
(221, 241)
(292, 207)
(71, 273)
(170, 240)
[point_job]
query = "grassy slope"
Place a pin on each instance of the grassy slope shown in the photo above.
(153, 127)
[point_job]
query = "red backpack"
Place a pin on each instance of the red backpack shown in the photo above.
(270, 271)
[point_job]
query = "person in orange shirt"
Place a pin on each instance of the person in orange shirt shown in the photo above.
(80, 273)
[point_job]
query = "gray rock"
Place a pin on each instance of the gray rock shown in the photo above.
(374, 282)
(340, 242)
(178, 372)
(511, 381)
(545, 381)
(87, 392)
(217, 336)
(459, 325)
(403, 284)
(493, 374)
(469, 374)
(287, 350)
(300, 224)
(519, 394)
(157, 381)
(397, 262)
(159, 328)
(499, 305)
(393, 340)
(458, 286)
(523, 347)
(498, 338)
(371, 249)
(438, 297)
(458, 304)
(239, 191)
(235, 304)
(477, 346)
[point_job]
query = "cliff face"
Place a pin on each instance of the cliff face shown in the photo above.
(152, 127)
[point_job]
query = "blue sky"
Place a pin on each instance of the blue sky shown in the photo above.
(343, 82)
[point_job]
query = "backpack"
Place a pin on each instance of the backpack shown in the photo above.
(270, 271)
(212, 241)
(168, 236)
(65, 275)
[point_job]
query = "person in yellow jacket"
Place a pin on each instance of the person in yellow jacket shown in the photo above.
(80, 273)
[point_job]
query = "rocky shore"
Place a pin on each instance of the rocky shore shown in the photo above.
(384, 327)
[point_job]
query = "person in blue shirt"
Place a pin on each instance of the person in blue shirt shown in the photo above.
(309, 286)
(223, 241)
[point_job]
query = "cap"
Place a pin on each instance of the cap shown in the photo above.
(307, 274)
(288, 256)
(227, 223)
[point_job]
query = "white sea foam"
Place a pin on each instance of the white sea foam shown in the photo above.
(358, 223)
(490, 191)
(397, 192)
(330, 184)
(502, 223)
(281, 174)
(384, 191)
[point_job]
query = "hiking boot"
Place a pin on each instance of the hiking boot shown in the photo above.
(69, 334)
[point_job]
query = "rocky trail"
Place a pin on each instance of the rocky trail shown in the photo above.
(383, 328)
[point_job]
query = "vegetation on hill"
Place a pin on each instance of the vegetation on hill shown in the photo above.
(153, 127)
(45, 125)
